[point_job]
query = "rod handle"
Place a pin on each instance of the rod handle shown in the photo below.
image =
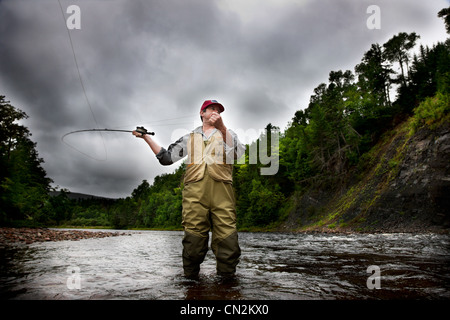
(144, 131)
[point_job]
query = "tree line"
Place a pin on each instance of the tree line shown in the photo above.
(321, 146)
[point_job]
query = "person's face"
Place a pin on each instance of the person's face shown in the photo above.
(206, 114)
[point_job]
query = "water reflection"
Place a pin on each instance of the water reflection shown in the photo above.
(148, 265)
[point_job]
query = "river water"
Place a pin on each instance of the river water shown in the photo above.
(273, 266)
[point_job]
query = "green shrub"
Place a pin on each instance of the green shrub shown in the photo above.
(431, 112)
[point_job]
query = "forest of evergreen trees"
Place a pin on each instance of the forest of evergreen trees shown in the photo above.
(322, 145)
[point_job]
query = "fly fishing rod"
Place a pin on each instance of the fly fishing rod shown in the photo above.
(141, 130)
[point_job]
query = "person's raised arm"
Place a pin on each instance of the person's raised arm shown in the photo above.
(174, 152)
(153, 145)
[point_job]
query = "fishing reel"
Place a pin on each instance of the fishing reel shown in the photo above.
(144, 131)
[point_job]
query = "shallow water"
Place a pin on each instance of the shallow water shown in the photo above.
(273, 266)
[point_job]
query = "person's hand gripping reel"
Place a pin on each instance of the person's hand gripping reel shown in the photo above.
(143, 131)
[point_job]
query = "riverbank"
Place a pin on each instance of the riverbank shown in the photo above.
(402, 187)
(31, 235)
(27, 235)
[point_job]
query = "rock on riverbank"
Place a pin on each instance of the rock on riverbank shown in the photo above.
(31, 235)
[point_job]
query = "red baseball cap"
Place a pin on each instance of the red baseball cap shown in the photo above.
(208, 103)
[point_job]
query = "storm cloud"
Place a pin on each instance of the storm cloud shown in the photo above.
(153, 63)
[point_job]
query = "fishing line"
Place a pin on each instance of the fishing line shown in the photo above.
(97, 129)
(82, 87)
(157, 122)
(171, 124)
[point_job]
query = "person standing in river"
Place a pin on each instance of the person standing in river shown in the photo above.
(208, 195)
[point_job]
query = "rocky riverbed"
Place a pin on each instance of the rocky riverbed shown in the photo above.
(31, 235)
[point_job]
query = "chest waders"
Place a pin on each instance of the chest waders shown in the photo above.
(209, 205)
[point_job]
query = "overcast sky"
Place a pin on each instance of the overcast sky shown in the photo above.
(153, 63)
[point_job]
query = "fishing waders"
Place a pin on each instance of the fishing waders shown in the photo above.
(209, 205)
